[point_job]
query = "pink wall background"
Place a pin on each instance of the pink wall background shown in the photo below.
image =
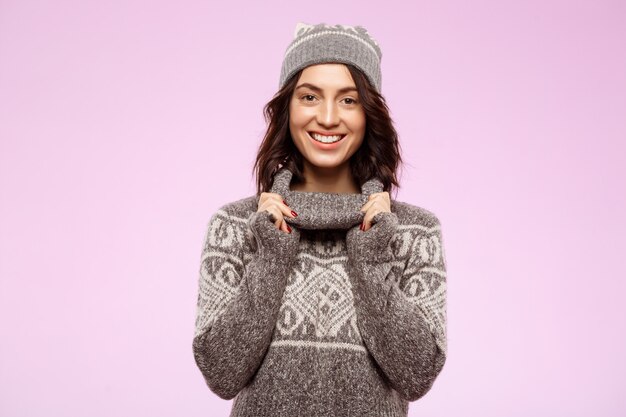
(125, 124)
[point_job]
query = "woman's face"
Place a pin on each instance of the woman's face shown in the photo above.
(326, 102)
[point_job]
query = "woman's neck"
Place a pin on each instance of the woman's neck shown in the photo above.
(327, 180)
(324, 210)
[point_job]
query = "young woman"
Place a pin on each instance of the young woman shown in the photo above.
(321, 295)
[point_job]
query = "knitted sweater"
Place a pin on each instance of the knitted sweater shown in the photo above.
(328, 320)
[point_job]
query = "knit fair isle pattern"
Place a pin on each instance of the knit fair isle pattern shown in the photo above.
(339, 340)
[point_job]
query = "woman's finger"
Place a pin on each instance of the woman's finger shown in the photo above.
(277, 210)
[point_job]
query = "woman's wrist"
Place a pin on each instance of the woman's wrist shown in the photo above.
(373, 245)
(272, 242)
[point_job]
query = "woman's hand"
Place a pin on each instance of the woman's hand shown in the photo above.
(378, 203)
(276, 206)
(373, 246)
(275, 241)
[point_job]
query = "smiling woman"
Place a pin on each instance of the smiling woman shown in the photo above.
(327, 122)
(329, 99)
(301, 312)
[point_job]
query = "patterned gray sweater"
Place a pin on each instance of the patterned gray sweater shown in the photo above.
(328, 320)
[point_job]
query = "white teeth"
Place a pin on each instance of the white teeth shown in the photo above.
(325, 139)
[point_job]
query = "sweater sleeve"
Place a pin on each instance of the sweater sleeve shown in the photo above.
(402, 321)
(237, 305)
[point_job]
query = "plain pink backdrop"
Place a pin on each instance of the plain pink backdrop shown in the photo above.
(125, 124)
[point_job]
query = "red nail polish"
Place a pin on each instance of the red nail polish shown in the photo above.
(289, 228)
(285, 203)
(293, 213)
(362, 227)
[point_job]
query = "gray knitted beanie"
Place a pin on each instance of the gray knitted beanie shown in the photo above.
(322, 43)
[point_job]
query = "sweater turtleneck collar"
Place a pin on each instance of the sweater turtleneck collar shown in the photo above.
(321, 210)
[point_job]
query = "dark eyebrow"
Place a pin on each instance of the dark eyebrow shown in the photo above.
(319, 90)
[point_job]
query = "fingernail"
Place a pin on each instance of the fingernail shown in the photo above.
(362, 227)
(289, 228)
(293, 213)
(285, 203)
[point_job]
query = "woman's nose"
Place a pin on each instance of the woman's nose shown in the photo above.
(328, 114)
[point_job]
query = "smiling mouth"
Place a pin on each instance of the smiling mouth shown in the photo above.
(325, 139)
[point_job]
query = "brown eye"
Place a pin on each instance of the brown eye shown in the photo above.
(352, 101)
(307, 95)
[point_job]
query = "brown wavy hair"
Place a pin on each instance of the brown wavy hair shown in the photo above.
(378, 155)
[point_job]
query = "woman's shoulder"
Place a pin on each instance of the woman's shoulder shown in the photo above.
(412, 214)
(227, 225)
(241, 209)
